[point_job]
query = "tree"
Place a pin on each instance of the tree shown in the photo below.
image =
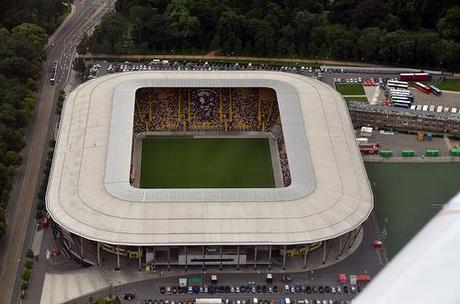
(410, 12)
(2, 227)
(24, 285)
(182, 27)
(28, 263)
(29, 253)
(370, 13)
(32, 33)
(79, 66)
(12, 158)
(368, 44)
(264, 38)
(113, 28)
(449, 25)
(228, 32)
(26, 274)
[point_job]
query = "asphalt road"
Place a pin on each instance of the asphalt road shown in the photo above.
(21, 210)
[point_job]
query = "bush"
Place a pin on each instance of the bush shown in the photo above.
(25, 275)
(2, 228)
(39, 214)
(24, 285)
(29, 254)
(28, 263)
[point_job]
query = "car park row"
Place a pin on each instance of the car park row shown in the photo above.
(248, 301)
(287, 289)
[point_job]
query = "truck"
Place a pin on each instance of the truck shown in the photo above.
(366, 131)
(269, 278)
(415, 76)
(208, 301)
(422, 88)
(214, 279)
(363, 278)
(362, 140)
(183, 282)
(369, 149)
(195, 281)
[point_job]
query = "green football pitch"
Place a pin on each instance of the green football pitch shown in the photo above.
(186, 162)
(408, 195)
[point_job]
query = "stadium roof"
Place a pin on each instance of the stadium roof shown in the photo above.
(89, 192)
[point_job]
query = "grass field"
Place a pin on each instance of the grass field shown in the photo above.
(184, 162)
(408, 195)
(449, 85)
(350, 89)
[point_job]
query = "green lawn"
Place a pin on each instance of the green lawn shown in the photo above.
(408, 195)
(350, 89)
(184, 162)
(449, 85)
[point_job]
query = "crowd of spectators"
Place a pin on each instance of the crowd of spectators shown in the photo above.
(209, 109)
(284, 161)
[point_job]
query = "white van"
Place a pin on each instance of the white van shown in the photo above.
(255, 301)
(362, 141)
(453, 110)
(425, 108)
(439, 109)
(432, 108)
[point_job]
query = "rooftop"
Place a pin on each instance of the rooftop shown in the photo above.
(89, 192)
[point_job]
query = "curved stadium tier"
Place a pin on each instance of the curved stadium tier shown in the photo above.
(207, 168)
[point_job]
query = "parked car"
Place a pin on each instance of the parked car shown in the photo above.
(129, 296)
(287, 289)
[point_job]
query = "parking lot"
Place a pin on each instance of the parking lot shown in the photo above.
(397, 142)
(105, 67)
(447, 99)
(287, 291)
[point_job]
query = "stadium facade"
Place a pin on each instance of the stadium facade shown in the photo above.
(91, 200)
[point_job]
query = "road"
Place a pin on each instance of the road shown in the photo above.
(21, 211)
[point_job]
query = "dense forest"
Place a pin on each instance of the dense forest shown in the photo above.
(413, 32)
(24, 25)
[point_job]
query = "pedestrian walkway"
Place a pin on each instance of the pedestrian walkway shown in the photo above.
(63, 287)
(374, 99)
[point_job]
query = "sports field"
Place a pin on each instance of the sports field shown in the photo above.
(350, 89)
(449, 85)
(408, 195)
(186, 162)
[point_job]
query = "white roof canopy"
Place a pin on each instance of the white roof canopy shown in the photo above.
(89, 192)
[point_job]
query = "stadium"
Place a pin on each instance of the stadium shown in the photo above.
(197, 168)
